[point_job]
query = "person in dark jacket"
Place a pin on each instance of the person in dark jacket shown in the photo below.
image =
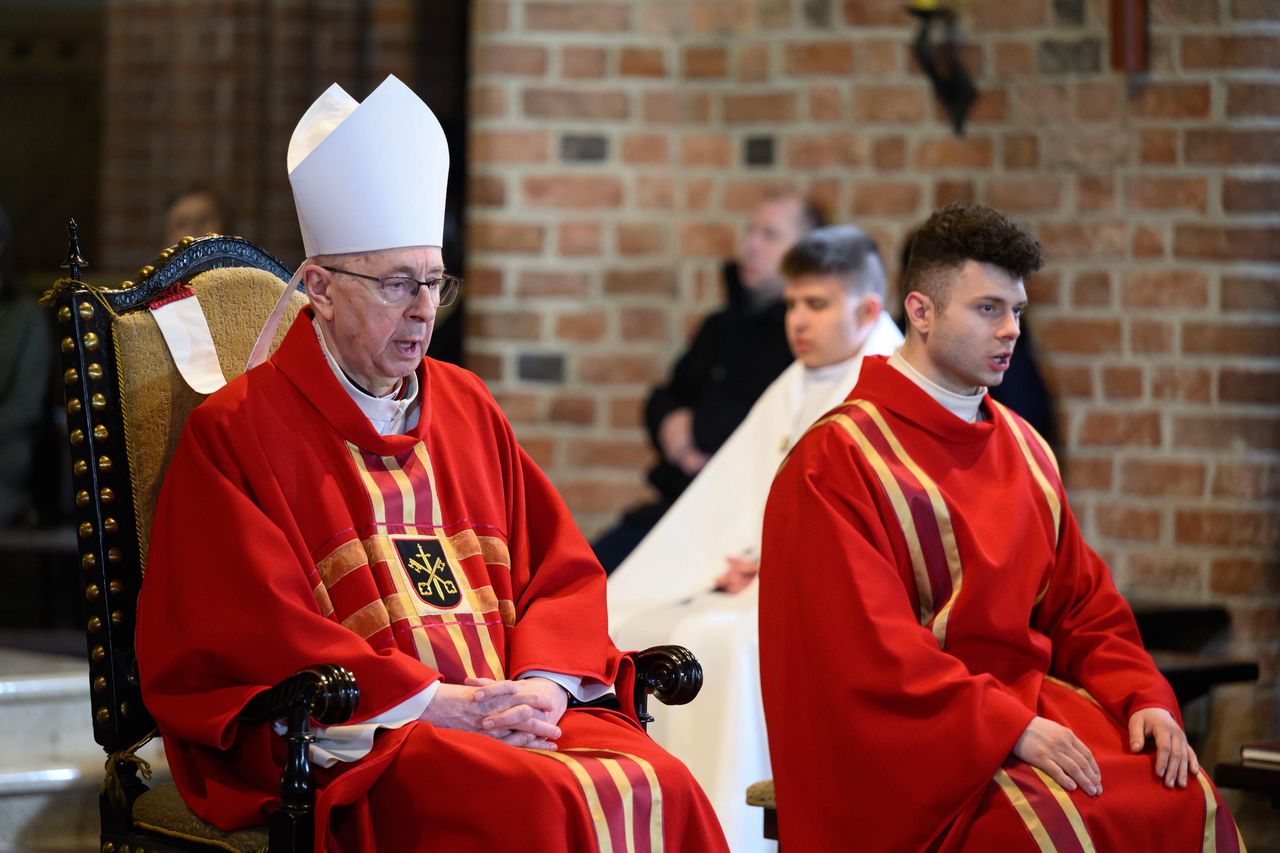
(733, 357)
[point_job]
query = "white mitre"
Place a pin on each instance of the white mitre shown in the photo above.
(369, 176)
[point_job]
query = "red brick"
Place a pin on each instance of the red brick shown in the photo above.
(774, 14)
(993, 15)
(1203, 242)
(705, 62)
(512, 237)
(1088, 473)
(566, 103)
(1095, 193)
(1252, 481)
(1091, 289)
(819, 57)
(645, 149)
(577, 192)
(486, 191)
(756, 108)
(491, 15)
(947, 192)
(519, 408)
(1220, 51)
(575, 17)
(1253, 99)
(642, 62)
(1078, 336)
(752, 63)
(1243, 293)
(1232, 147)
(640, 238)
(1021, 151)
(644, 324)
(626, 411)
(1021, 195)
(677, 107)
(883, 198)
(745, 195)
(707, 149)
(1149, 242)
(657, 281)
(889, 153)
(1120, 521)
(572, 410)
(597, 453)
(1239, 528)
(877, 57)
(827, 149)
(582, 63)
(575, 239)
(1078, 240)
(1171, 288)
(889, 104)
(971, 152)
(873, 13)
(619, 369)
(1249, 339)
(1121, 383)
(1249, 386)
(551, 283)
(1150, 336)
(697, 194)
(1070, 381)
(826, 103)
(1171, 100)
(504, 325)
(1097, 101)
(1186, 384)
(1120, 429)
(1169, 572)
(1043, 103)
(509, 146)
(1181, 12)
(488, 366)
(1226, 431)
(1254, 10)
(1013, 58)
(708, 238)
(486, 102)
(585, 326)
(1150, 193)
(1247, 196)
(1158, 146)
(604, 496)
(992, 106)
(724, 17)
(655, 192)
(510, 60)
(1246, 576)
(1161, 478)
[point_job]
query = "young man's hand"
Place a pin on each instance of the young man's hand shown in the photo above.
(1174, 756)
(1057, 751)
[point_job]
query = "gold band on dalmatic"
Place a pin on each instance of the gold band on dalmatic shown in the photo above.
(622, 794)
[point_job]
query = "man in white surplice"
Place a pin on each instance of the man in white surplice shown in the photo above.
(690, 580)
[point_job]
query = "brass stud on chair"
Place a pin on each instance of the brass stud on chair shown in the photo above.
(145, 272)
(86, 529)
(165, 254)
(91, 340)
(94, 371)
(85, 310)
(88, 561)
(100, 432)
(94, 625)
(98, 401)
(64, 315)
(186, 241)
(100, 684)
(124, 709)
(117, 617)
(99, 654)
(102, 717)
(68, 344)
(109, 525)
(113, 555)
(104, 464)
(76, 437)
(80, 468)
(116, 587)
(71, 376)
(82, 497)
(91, 592)
(108, 847)
(106, 495)
(74, 406)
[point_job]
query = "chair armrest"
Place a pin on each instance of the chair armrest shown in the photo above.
(671, 673)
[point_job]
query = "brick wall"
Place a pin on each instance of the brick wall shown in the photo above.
(617, 145)
(208, 92)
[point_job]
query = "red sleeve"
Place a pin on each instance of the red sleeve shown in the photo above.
(1095, 639)
(875, 733)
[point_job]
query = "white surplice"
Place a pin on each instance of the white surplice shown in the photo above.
(662, 593)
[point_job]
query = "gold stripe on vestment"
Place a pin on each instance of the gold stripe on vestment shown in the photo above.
(401, 480)
(614, 769)
(420, 450)
(655, 801)
(370, 486)
(900, 508)
(1019, 802)
(1068, 808)
(1050, 494)
(1210, 841)
(346, 558)
(368, 620)
(594, 807)
(322, 599)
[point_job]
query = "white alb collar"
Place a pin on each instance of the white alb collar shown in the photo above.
(388, 414)
(963, 406)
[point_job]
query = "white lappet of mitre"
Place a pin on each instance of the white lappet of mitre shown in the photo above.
(365, 177)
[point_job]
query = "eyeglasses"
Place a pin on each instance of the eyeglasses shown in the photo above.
(399, 289)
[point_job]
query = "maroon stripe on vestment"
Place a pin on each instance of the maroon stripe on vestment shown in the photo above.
(392, 497)
(1225, 834)
(610, 798)
(1046, 807)
(471, 625)
(921, 507)
(642, 804)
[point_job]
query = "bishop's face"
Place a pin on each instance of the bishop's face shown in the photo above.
(377, 344)
(968, 343)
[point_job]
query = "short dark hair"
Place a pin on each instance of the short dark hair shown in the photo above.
(967, 232)
(839, 250)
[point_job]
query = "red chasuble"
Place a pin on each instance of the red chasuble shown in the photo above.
(289, 533)
(925, 592)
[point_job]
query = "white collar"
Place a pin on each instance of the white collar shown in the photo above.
(388, 415)
(830, 372)
(963, 406)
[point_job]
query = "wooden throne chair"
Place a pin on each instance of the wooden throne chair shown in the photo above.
(126, 404)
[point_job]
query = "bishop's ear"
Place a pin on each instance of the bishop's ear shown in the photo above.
(319, 283)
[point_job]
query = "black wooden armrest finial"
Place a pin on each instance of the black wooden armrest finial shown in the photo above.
(329, 694)
(671, 673)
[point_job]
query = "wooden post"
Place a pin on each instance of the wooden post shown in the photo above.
(1130, 46)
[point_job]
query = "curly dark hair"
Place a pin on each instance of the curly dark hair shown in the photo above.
(967, 232)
